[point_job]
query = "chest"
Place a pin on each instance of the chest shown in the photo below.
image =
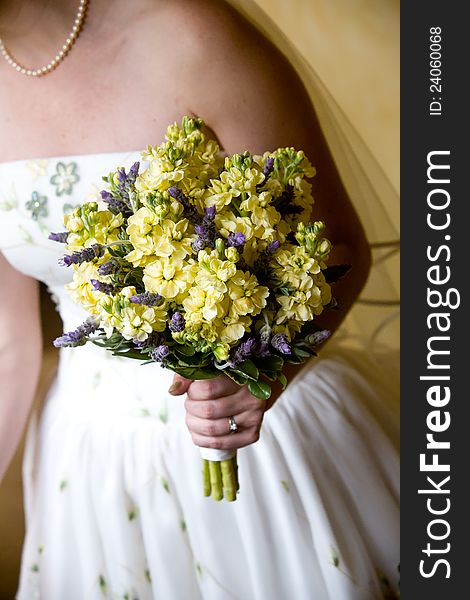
(103, 101)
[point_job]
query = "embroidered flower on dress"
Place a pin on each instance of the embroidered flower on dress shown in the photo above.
(8, 199)
(65, 178)
(37, 168)
(37, 206)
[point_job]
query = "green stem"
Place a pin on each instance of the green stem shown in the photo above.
(216, 480)
(229, 481)
(206, 481)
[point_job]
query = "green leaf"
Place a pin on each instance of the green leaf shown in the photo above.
(191, 361)
(25, 235)
(194, 373)
(334, 556)
(283, 380)
(248, 368)
(130, 354)
(269, 363)
(260, 389)
(185, 350)
(103, 585)
(132, 514)
(271, 375)
(301, 354)
(236, 376)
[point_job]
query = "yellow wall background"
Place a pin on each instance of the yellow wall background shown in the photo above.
(354, 46)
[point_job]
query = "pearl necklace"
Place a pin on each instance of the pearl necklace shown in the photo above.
(59, 57)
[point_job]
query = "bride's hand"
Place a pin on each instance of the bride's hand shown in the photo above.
(209, 405)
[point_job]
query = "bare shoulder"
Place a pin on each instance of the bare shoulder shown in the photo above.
(206, 21)
(215, 36)
(232, 74)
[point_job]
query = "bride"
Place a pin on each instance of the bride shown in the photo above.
(112, 490)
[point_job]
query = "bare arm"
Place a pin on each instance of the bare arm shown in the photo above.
(20, 356)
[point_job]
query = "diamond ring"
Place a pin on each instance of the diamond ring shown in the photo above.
(232, 425)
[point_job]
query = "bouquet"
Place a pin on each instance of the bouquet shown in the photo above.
(203, 264)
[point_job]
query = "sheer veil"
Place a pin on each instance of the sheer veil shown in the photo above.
(374, 319)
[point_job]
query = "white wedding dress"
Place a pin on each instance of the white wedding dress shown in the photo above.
(112, 480)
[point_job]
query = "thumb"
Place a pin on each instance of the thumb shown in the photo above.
(179, 386)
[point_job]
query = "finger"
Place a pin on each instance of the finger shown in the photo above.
(179, 386)
(220, 427)
(210, 389)
(226, 442)
(223, 407)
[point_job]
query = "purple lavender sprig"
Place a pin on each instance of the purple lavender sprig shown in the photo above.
(236, 240)
(78, 337)
(127, 180)
(147, 298)
(189, 211)
(318, 337)
(110, 267)
(205, 231)
(268, 167)
(160, 353)
(280, 343)
(60, 237)
(115, 205)
(105, 288)
(119, 201)
(177, 323)
(85, 255)
(242, 352)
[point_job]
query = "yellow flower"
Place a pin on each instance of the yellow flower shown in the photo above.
(152, 238)
(209, 316)
(214, 272)
(140, 229)
(306, 301)
(88, 225)
(80, 289)
(133, 321)
(185, 158)
(227, 222)
(248, 297)
(221, 351)
(204, 305)
(231, 183)
(263, 214)
(291, 265)
(169, 277)
(232, 254)
(233, 328)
